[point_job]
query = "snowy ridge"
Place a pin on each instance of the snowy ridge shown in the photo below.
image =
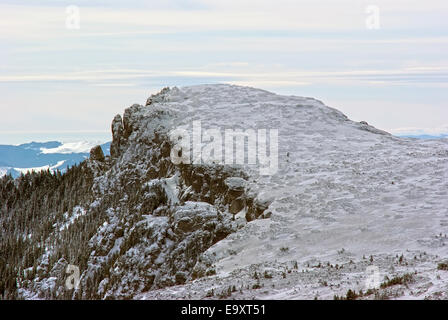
(341, 184)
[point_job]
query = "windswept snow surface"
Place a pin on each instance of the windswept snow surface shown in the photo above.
(345, 194)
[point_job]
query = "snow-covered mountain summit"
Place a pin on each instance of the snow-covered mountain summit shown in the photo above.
(344, 198)
(341, 186)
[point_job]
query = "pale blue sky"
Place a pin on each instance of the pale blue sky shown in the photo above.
(71, 82)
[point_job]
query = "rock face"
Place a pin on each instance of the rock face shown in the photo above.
(159, 250)
(235, 194)
(157, 218)
(117, 136)
(148, 223)
(96, 153)
(158, 98)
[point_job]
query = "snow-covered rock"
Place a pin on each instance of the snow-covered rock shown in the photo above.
(346, 196)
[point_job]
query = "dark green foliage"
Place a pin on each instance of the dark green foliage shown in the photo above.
(351, 295)
(256, 286)
(29, 207)
(210, 293)
(442, 266)
(404, 279)
(224, 294)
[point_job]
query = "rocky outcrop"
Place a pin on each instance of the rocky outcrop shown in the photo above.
(160, 249)
(117, 136)
(158, 97)
(130, 121)
(153, 219)
(96, 153)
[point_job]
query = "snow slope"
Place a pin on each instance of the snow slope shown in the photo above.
(343, 191)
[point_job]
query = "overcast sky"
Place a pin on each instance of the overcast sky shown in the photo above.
(385, 61)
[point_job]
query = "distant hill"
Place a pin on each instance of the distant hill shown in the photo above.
(425, 136)
(53, 155)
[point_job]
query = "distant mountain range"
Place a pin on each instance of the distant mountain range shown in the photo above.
(425, 136)
(53, 155)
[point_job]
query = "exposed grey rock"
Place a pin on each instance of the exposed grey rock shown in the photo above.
(235, 183)
(237, 205)
(157, 250)
(96, 153)
(117, 136)
(130, 120)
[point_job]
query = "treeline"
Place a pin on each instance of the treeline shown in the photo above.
(30, 208)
